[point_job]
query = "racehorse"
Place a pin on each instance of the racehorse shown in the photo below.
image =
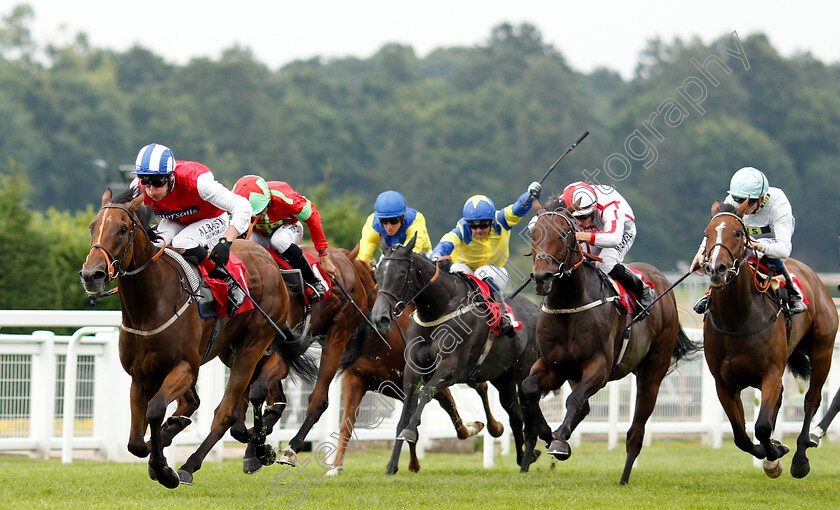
(450, 339)
(163, 340)
(370, 365)
(747, 346)
(580, 337)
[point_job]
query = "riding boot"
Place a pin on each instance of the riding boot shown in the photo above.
(505, 324)
(628, 279)
(794, 302)
(702, 304)
(297, 259)
(236, 295)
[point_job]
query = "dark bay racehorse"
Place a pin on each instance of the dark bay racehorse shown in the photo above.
(454, 344)
(580, 340)
(163, 340)
(746, 344)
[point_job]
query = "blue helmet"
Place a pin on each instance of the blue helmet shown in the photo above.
(154, 159)
(389, 204)
(479, 207)
(748, 182)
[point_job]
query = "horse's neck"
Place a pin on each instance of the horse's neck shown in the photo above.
(735, 299)
(575, 289)
(142, 292)
(436, 299)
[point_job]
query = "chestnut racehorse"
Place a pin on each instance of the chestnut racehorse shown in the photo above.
(747, 345)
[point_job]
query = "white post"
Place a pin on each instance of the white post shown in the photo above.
(612, 427)
(489, 443)
(106, 397)
(42, 397)
(331, 420)
(711, 413)
(70, 362)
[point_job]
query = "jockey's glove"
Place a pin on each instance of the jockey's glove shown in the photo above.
(221, 253)
(535, 189)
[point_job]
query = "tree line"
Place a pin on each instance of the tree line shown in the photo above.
(487, 119)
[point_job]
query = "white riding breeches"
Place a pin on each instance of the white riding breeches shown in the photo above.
(282, 238)
(498, 275)
(201, 233)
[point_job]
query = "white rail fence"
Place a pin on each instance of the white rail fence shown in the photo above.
(70, 394)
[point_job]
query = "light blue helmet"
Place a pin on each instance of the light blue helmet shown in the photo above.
(154, 159)
(479, 207)
(389, 204)
(748, 182)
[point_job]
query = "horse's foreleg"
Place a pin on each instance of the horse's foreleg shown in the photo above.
(139, 403)
(493, 425)
(540, 380)
(734, 409)
(224, 416)
(180, 419)
(594, 377)
(179, 380)
(765, 423)
(411, 380)
(352, 391)
(318, 399)
(444, 398)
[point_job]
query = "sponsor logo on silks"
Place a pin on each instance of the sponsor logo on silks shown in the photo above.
(757, 231)
(174, 215)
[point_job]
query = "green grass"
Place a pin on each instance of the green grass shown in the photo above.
(669, 474)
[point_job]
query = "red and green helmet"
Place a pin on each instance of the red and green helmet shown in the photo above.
(255, 189)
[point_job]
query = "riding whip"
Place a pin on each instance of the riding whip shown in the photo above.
(364, 316)
(580, 139)
(641, 315)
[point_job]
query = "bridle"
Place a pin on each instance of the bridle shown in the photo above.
(115, 269)
(572, 246)
(398, 302)
(737, 261)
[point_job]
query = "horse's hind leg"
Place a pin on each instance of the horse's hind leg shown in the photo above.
(444, 398)
(820, 364)
(176, 383)
(493, 425)
(510, 402)
(180, 419)
(648, 380)
(352, 392)
(819, 431)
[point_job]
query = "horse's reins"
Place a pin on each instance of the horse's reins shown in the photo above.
(398, 302)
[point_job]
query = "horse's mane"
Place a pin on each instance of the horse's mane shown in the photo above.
(144, 213)
(555, 203)
(723, 207)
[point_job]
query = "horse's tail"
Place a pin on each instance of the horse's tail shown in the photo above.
(684, 349)
(799, 364)
(292, 349)
(353, 349)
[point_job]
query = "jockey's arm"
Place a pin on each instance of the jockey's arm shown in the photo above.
(610, 236)
(418, 226)
(782, 223)
(368, 242)
(448, 243)
(217, 194)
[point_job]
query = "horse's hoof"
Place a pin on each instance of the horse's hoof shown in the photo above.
(772, 468)
(535, 456)
(800, 470)
(335, 471)
(251, 465)
(391, 471)
(408, 435)
(288, 457)
(783, 449)
(152, 474)
(169, 478)
(814, 437)
(560, 449)
(266, 454)
(496, 431)
(473, 428)
(185, 477)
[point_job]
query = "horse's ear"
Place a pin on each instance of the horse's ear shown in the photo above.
(715, 207)
(106, 197)
(574, 207)
(354, 252)
(411, 243)
(742, 208)
(382, 245)
(136, 203)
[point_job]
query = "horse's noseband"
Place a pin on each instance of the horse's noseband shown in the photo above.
(115, 263)
(737, 260)
(567, 252)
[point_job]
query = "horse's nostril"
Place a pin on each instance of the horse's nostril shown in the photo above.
(721, 268)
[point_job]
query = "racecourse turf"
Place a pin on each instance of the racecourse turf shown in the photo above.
(669, 475)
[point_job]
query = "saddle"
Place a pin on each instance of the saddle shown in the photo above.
(627, 303)
(211, 293)
(294, 280)
(494, 307)
(777, 282)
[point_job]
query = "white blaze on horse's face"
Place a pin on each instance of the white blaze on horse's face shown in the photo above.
(718, 241)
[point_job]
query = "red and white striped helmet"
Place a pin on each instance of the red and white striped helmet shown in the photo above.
(583, 192)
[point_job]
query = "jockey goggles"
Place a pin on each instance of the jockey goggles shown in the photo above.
(479, 224)
(154, 181)
(391, 221)
(738, 200)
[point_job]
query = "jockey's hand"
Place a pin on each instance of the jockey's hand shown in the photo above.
(327, 265)
(697, 262)
(221, 253)
(583, 237)
(756, 245)
(535, 189)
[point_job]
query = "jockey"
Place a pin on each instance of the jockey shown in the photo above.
(479, 243)
(279, 210)
(392, 223)
(607, 225)
(769, 221)
(193, 207)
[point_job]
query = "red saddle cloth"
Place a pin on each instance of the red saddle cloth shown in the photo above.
(494, 307)
(220, 289)
(627, 300)
(313, 262)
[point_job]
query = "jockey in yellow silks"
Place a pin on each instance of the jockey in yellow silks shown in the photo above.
(479, 243)
(392, 223)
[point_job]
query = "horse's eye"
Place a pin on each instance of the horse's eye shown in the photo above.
(739, 234)
(123, 229)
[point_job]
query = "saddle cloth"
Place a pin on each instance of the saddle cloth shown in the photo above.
(627, 302)
(316, 269)
(494, 307)
(220, 289)
(779, 280)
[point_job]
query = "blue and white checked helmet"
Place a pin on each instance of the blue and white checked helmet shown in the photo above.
(154, 159)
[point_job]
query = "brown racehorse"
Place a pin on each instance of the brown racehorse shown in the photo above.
(746, 344)
(580, 340)
(163, 340)
(369, 365)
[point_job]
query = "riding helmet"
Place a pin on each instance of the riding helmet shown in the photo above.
(479, 207)
(154, 159)
(255, 189)
(389, 204)
(748, 182)
(583, 192)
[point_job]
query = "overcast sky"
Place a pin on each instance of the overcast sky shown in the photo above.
(590, 34)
